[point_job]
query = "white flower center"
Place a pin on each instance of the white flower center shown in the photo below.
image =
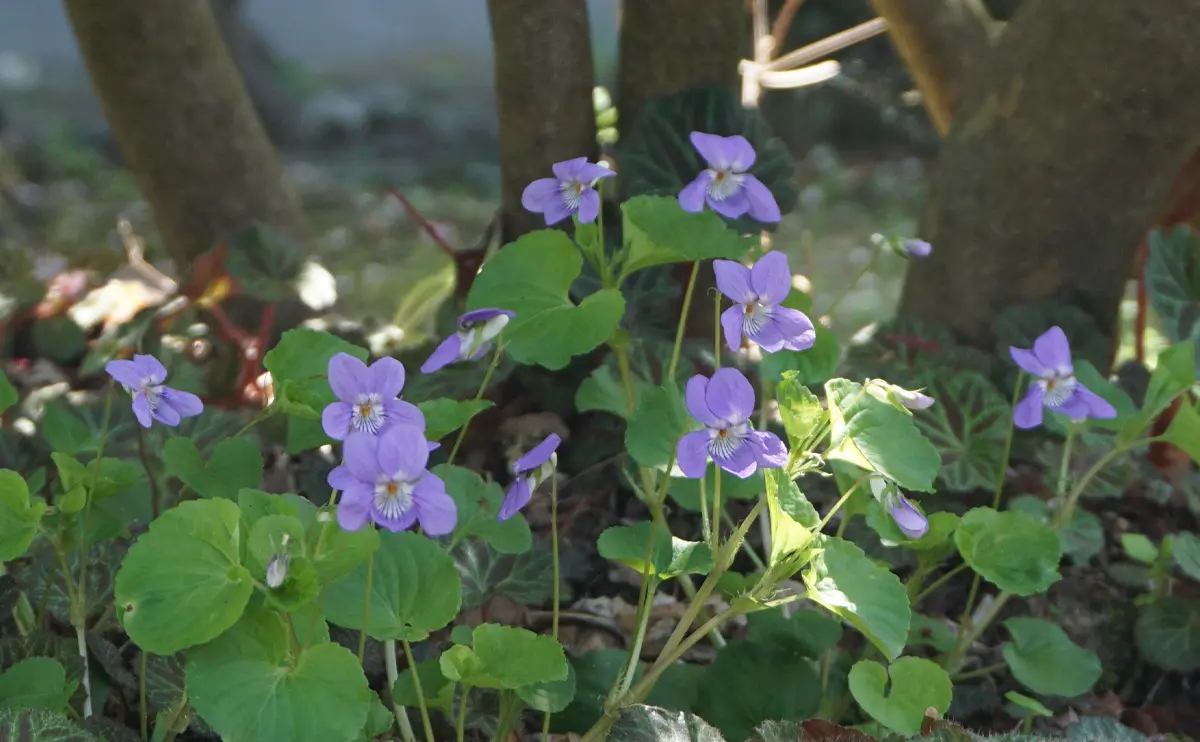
(393, 497)
(153, 392)
(757, 315)
(1058, 389)
(368, 414)
(724, 441)
(723, 183)
(572, 191)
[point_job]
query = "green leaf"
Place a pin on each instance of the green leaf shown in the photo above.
(66, 432)
(532, 277)
(1031, 705)
(37, 682)
(657, 425)
(1139, 548)
(686, 492)
(265, 263)
(846, 581)
(415, 589)
(444, 416)
(968, 425)
(39, 725)
(750, 683)
(59, 339)
(235, 463)
(8, 393)
(182, 582)
(113, 477)
(805, 632)
(678, 687)
(299, 365)
(20, 515)
(1168, 633)
(1173, 282)
(931, 632)
(669, 557)
(595, 672)
(404, 692)
(800, 409)
(1184, 431)
(504, 657)
(550, 696)
(792, 516)
(657, 157)
(1185, 549)
(604, 392)
(1174, 374)
(248, 688)
(478, 504)
(897, 696)
(525, 578)
(1011, 550)
(1083, 537)
(1044, 659)
(813, 366)
(875, 436)
(649, 724)
(658, 232)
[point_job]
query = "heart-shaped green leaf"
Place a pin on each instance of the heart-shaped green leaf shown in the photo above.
(658, 232)
(915, 684)
(846, 581)
(235, 463)
(444, 416)
(20, 515)
(875, 436)
(668, 556)
(1011, 550)
(1044, 659)
(504, 657)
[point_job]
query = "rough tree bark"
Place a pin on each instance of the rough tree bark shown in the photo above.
(544, 82)
(670, 45)
(1069, 136)
(183, 121)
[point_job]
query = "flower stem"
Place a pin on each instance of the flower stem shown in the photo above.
(487, 376)
(933, 586)
(366, 609)
(705, 523)
(838, 505)
(78, 607)
(980, 672)
(155, 497)
(1062, 517)
(460, 726)
(412, 665)
(1002, 475)
(682, 326)
(969, 632)
(554, 556)
(716, 330)
(626, 377)
(143, 712)
(846, 291)
(716, 513)
(389, 661)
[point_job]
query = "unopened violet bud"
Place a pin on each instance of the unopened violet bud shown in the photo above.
(899, 397)
(530, 470)
(471, 341)
(915, 248)
(277, 570)
(911, 522)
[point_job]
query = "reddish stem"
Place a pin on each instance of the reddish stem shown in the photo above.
(416, 214)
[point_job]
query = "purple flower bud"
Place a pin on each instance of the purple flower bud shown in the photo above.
(277, 570)
(144, 377)
(1054, 385)
(908, 519)
(915, 248)
(531, 470)
(472, 340)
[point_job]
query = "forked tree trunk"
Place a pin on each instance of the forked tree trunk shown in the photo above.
(184, 124)
(544, 82)
(1068, 138)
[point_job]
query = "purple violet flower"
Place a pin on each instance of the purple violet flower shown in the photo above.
(144, 378)
(725, 403)
(571, 191)
(383, 479)
(531, 470)
(472, 340)
(908, 519)
(725, 185)
(757, 314)
(1054, 385)
(914, 248)
(367, 398)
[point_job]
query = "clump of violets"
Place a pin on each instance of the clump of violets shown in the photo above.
(145, 378)
(383, 480)
(724, 404)
(531, 470)
(908, 519)
(471, 341)
(1054, 384)
(757, 314)
(367, 398)
(572, 191)
(725, 185)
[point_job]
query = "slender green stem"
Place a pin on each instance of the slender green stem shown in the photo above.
(1062, 515)
(143, 711)
(155, 496)
(716, 329)
(1002, 475)
(759, 562)
(645, 595)
(706, 529)
(487, 376)
(366, 609)
(460, 725)
(933, 586)
(389, 661)
(969, 632)
(176, 714)
(682, 326)
(554, 557)
(412, 666)
(717, 511)
(838, 505)
(846, 292)
(626, 373)
(980, 672)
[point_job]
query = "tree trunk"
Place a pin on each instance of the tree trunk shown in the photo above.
(183, 121)
(670, 45)
(544, 82)
(1069, 136)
